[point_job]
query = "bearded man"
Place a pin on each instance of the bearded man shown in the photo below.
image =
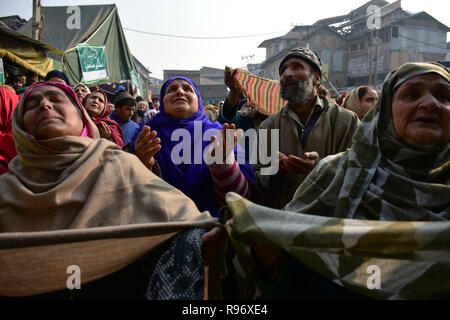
(310, 127)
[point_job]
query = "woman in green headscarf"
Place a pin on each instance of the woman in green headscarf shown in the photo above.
(398, 166)
(397, 170)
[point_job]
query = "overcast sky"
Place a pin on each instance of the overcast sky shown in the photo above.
(215, 18)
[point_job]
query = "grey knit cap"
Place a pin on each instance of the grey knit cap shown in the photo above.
(308, 55)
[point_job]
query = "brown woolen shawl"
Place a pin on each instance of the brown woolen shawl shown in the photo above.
(353, 103)
(81, 201)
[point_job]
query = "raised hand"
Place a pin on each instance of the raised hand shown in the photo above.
(146, 146)
(105, 131)
(225, 143)
(230, 81)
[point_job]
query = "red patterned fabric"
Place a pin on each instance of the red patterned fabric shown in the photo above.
(8, 101)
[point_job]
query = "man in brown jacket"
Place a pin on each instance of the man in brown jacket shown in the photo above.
(310, 127)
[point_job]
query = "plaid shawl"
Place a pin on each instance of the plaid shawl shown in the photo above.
(383, 203)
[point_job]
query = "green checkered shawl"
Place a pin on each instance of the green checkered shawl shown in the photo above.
(382, 203)
(381, 177)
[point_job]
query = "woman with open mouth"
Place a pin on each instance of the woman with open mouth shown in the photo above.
(181, 110)
(96, 105)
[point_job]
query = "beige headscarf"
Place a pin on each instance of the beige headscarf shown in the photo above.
(352, 103)
(80, 201)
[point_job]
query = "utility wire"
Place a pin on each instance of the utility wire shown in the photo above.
(201, 38)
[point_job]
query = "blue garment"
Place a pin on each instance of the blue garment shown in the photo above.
(119, 89)
(193, 179)
(57, 74)
(128, 128)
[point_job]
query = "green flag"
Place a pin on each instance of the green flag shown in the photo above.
(93, 63)
(2, 74)
(136, 81)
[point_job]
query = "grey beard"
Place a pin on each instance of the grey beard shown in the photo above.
(299, 95)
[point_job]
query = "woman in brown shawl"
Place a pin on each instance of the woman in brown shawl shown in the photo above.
(96, 104)
(361, 100)
(72, 199)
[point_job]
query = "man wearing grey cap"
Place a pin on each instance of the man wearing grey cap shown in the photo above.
(311, 127)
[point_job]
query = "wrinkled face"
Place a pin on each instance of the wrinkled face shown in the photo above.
(297, 81)
(95, 104)
(368, 100)
(81, 92)
(421, 110)
(56, 79)
(180, 99)
(49, 113)
(125, 112)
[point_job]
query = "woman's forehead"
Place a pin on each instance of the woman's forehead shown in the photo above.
(424, 79)
(97, 93)
(371, 92)
(177, 82)
(45, 89)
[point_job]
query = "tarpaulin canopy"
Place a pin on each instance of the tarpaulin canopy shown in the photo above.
(28, 53)
(96, 25)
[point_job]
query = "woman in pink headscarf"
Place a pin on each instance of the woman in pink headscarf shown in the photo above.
(68, 182)
(8, 101)
(96, 104)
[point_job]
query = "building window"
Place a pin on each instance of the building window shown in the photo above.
(326, 56)
(385, 35)
(338, 59)
(354, 47)
(394, 32)
(362, 45)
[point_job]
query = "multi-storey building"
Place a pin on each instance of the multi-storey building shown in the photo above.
(210, 82)
(364, 45)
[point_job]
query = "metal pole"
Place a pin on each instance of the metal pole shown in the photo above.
(36, 26)
(376, 62)
(148, 76)
(370, 57)
(331, 84)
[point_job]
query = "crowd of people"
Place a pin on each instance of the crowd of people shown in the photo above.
(70, 159)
